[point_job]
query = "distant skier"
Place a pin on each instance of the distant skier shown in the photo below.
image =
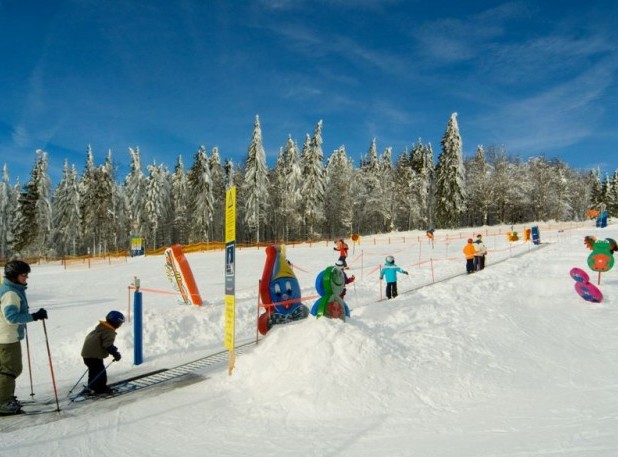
(481, 252)
(342, 247)
(99, 344)
(469, 252)
(389, 271)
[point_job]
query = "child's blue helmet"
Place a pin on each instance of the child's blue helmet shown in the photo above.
(116, 318)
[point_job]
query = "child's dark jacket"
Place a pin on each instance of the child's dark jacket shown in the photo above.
(98, 341)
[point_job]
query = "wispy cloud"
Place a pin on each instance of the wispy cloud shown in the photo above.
(349, 4)
(550, 56)
(561, 116)
(452, 39)
(315, 44)
(20, 137)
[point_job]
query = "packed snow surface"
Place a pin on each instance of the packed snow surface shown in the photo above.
(507, 362)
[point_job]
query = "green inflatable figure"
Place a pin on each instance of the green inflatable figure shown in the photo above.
(330, 284)
(601, 258)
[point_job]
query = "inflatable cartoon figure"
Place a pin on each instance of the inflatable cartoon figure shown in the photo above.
(279, 288)
(584, 287)
(601, 258)
(330, 284)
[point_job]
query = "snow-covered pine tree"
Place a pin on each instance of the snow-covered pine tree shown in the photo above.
(96, 203)
(406, 186)
(8, 206)
(312, 189)
(578, 193)
(229, 170)
(32, 226)
(118, 213)
(561, 209)
(180, 204)
(612, 195)
(371, 205)
(285, 192)
(480, 188)
(255, 185)
(596, 195)
(338, 206)
(66, 210)
(423, 166)
(201, 197)
(134, 189)
(450, 179)
(219, 188)
(105, 198)
(549, 192)
(509, 186)
(158, 204)
(43, 205)
(87, 201)
(390, 200)
(540, 180)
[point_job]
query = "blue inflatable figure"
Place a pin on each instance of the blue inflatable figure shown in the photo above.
(279, 291)
(330, 285)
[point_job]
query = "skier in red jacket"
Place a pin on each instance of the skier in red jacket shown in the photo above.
(342, 247)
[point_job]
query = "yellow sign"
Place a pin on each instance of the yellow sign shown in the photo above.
(230, 274)
(230, 214)
(230, 320)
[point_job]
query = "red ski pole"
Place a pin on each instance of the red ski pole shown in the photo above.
(51, 367)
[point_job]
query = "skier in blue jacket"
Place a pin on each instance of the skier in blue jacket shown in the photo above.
(14, 315)
(389, 271)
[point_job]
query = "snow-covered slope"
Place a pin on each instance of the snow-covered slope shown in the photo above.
(509, 361)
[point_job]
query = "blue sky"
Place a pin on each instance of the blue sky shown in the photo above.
(536, 77)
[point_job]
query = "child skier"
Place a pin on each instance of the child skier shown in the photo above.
(347, 280)
(469, 251)
(389, 271)
(99, 344)
(342, 247)
(481, 252)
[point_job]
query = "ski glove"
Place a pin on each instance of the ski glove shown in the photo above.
(405, 272)
(40, 314)
(113, 351)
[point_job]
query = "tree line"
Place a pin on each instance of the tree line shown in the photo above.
(303, 197)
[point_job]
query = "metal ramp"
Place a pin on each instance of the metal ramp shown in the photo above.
(167, 374)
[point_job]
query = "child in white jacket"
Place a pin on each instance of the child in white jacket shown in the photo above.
(481, 252)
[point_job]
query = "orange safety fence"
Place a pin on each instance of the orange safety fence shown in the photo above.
(109, 258)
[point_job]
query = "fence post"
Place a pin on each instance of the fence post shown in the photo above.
(138, 354)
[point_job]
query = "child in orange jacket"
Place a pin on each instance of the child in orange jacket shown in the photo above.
(469, 252)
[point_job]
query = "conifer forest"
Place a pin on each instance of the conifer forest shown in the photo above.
(306, 195)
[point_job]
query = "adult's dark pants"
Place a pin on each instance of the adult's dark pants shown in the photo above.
(10, 369)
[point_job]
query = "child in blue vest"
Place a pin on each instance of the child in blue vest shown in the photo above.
(389, 271)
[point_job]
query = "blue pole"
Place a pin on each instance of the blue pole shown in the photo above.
(138, 354)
